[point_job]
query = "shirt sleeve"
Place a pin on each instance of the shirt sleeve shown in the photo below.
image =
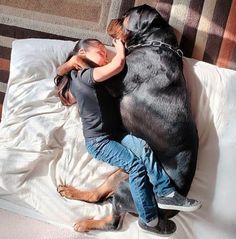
(84, 75)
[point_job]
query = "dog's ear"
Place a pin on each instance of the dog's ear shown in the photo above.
(143, 17)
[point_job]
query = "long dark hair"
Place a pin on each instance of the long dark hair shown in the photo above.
(63, 82)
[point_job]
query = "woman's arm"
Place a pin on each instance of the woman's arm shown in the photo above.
(75, 62)
(105, 72)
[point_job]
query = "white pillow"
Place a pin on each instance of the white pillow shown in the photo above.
(42, 145)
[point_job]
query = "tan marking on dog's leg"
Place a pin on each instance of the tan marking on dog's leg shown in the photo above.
(75, 194)
(112, 183)
(91, 224)
(99, 193)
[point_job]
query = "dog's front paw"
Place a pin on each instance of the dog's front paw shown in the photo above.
(67, 191)
(84, 226)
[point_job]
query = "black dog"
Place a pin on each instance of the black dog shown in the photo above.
(154, 101)
(154, 105)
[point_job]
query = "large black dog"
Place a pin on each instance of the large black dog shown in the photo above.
(154, 100)
(154, 104)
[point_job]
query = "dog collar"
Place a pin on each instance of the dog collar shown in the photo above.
(158, 44)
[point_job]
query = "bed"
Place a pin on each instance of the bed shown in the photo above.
(41, 142)
(42, 146)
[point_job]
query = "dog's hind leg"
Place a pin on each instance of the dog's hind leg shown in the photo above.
(100, 193)
(122, 202)
(109, 223)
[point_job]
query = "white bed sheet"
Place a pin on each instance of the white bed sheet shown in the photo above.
(42, 146)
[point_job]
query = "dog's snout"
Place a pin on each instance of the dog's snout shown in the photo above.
(114, 27)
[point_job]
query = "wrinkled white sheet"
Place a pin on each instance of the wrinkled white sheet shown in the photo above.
(42, 146)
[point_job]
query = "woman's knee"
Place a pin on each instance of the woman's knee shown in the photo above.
(135, 144)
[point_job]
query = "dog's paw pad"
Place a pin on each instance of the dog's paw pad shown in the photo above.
(67, 191)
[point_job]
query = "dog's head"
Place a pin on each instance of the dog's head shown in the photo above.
(136, 25)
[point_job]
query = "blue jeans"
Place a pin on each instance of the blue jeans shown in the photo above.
(146, 177)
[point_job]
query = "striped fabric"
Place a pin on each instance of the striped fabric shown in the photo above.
(206, 29)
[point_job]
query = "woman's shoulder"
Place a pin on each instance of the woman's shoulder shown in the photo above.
(84, 75)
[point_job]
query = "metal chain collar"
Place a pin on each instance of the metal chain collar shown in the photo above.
(158, 44)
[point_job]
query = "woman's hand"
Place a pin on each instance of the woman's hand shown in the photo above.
(119, 46)
(75, 62)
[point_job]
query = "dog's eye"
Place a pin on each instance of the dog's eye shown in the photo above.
(126, 31)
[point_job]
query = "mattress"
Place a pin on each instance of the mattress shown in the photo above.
(42, 146)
